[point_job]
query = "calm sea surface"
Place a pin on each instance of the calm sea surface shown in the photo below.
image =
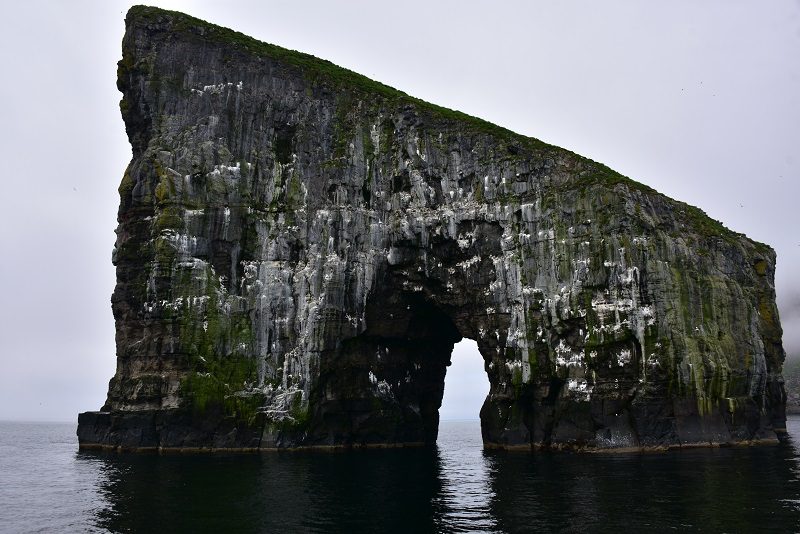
(47, 485)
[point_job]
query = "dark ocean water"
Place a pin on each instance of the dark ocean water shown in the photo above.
(46, 485)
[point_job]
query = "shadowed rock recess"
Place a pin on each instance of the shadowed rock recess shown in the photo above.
(299, 248)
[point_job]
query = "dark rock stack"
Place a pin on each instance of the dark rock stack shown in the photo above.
(299, 248)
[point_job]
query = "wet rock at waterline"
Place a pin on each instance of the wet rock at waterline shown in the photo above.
(300, 247)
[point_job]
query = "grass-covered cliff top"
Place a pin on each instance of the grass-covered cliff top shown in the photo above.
(317, 68)
(345, 79)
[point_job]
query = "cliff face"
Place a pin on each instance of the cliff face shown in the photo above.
(299, 248)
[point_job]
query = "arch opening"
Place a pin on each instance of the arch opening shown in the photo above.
(386, 384)
(466, 384)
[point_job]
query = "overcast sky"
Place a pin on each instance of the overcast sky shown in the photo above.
(698, 99)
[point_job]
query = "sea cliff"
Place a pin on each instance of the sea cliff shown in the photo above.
(299, 247)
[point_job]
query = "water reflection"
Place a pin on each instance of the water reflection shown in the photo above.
(455, 487)
(722, 490)
(359, 491)
(465, 481)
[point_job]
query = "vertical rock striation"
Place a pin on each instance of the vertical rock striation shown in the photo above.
(300, 247)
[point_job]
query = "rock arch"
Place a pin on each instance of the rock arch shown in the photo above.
(299, 248)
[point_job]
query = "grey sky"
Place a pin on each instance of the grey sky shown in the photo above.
(698, 99)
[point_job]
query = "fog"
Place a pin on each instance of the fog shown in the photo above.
(700, 100)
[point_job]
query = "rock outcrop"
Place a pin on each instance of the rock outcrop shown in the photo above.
(299, 248)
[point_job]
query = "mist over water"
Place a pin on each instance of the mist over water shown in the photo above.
(46, 484)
